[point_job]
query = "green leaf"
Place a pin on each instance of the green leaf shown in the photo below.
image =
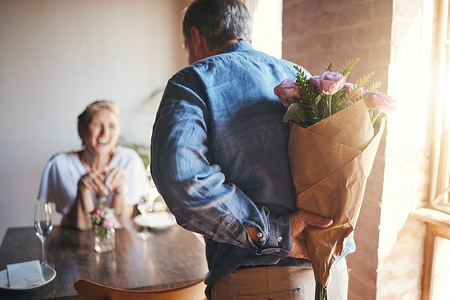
(372, 89)
(318, 99)
(292, 113)
(302, 82)
(337, 105)
(359, 84)
(349, 66)
(330, 67)
(363, 81)
(375, 86)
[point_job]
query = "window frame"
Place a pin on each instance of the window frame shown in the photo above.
(439, 188)
(436, 214)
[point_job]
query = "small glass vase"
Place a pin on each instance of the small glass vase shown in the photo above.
(105, 239)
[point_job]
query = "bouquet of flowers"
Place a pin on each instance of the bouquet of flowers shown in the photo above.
(104, 221)
(336, 127)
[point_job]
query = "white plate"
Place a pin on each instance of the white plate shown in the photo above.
(48, 273)
(157, 220)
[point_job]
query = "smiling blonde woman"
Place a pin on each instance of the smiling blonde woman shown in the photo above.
(76, 180)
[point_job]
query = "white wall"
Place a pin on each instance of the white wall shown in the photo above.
(58, 56)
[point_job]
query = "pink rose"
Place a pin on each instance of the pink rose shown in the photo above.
(97, 212)
(328, 82)
(286, 90)
(380, 101)
(109, 222)
(357, 95)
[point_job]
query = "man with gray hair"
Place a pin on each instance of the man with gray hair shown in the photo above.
(219, 159)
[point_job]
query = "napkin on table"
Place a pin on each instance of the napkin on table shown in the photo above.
(25, 274)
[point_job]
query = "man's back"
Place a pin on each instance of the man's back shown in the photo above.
(227, 127)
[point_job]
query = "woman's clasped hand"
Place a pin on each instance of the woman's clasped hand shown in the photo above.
(102, 182)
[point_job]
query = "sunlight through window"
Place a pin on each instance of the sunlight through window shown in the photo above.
(441, 272)
(267, 25)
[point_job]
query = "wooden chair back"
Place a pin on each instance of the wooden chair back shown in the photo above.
(89, 290)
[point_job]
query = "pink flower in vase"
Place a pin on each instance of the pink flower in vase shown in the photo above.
(97, 215)
(97, 212)
(109, 222)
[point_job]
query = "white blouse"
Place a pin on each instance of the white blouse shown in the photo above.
(60, 178)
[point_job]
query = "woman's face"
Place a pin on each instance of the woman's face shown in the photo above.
(102, 133)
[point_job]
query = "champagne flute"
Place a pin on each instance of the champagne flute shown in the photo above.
(145, 207)
(43, 224)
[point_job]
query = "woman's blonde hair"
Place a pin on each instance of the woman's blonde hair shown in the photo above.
(85, 118)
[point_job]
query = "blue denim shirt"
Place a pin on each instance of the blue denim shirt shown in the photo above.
(219, 158)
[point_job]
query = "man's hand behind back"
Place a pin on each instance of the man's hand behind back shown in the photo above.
(299, 221)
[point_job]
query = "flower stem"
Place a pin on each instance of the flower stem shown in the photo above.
(321, 292)
(329, 104)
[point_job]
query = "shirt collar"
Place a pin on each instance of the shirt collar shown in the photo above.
(238, 46)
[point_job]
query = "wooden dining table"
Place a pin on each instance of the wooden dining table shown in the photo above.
(170, 258)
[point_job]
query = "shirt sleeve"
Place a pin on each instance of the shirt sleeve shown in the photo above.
(58, 184)
(195, 190)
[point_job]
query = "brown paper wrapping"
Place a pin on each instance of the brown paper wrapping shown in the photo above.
(330, 162)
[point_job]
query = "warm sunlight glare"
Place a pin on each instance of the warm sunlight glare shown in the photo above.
(441, 271)
(267, 32)
(406, 138)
